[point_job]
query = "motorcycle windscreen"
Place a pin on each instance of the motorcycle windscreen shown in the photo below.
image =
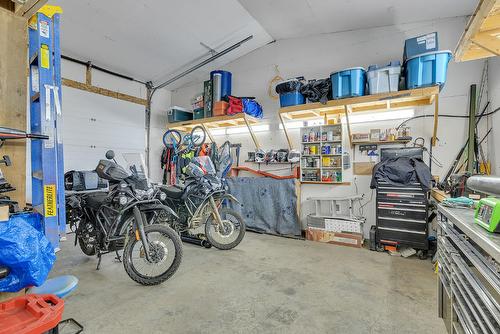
(205, 163)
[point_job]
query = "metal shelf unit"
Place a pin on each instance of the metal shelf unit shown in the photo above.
(469, 279)
(316, 165)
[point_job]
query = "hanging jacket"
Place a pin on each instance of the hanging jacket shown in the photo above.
(402, 171)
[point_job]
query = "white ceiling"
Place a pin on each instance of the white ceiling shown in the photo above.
(156, 39)
(296, 18)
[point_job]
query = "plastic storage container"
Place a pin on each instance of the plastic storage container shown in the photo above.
(348, 83)
(383, 79)
(420, 44)
(199, 113)
(427, 69)
(289, 91)
(222, 84)
(178, 114)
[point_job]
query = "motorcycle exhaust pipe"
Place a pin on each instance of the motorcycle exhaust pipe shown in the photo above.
(196, 241)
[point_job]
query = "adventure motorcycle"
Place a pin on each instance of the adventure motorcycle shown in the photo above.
(202, 202)
(125, 217)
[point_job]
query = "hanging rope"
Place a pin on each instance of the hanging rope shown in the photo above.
(272, 84)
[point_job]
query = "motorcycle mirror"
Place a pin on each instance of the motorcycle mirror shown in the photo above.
(110, 154)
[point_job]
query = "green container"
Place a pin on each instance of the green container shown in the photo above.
(207, 98)
(178, 114)
(199, 113)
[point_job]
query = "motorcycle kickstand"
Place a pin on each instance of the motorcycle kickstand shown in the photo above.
(99, 257)
(118, 257)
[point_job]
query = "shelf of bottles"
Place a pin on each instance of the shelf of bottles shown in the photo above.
(321, 156)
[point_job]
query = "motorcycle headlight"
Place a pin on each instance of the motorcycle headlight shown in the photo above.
(163, 196)
(122, 200)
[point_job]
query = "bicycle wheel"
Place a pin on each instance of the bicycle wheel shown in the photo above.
(172, 138)
(198, 136)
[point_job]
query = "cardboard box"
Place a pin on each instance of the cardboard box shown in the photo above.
(220, 108)
(4, 213)
(336, 238)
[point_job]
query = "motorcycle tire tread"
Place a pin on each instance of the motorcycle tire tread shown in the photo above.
(234, 243)
(173, 268)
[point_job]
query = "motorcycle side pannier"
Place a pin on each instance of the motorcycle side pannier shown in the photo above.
(83, 180)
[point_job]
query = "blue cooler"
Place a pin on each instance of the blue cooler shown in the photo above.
(427, 69)
(348, 83)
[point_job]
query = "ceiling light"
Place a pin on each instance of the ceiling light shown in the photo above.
(292, 125)
(379, 116)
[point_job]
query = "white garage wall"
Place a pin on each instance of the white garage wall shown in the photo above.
(93, 124)
(494, 93)
(317, 56)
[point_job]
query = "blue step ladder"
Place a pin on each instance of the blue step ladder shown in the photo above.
(47, 164)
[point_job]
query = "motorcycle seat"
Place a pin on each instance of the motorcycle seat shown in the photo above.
(173, 192)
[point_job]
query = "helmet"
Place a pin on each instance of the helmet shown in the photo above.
(260, 155)
(294, 156)
(270, 156)
(282, 155)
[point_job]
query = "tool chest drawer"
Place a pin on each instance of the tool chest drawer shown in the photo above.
(417, 239)
(402, 210)
(402, 224)
(401, 196)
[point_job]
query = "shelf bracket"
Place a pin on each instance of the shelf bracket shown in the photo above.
(346, 109)
(207, 131)
(286, 132)
(254, 138)
(436, 117)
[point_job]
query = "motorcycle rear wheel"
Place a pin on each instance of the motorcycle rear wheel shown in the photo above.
(223, 238)
(159, 253)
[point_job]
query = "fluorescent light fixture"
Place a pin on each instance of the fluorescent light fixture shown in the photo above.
(244, 129)
(292, 125)
(379, 116)
(217, 132)
(316, 122)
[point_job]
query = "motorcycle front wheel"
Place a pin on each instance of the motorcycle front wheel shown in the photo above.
(230, 234)
(165, 255)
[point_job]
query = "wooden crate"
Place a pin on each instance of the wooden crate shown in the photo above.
(336, 238)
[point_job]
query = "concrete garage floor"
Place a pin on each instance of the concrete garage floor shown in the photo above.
(266, 285)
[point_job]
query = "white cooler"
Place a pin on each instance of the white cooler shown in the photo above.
(383, 79)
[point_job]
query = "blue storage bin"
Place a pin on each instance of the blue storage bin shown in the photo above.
(291, 99)
(427, 69)
(420, 44)
(348, 83)
(225, 85)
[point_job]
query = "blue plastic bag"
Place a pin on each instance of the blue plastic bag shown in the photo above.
(26, 252)
(252, 108)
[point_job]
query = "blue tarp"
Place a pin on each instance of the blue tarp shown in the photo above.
(25, 251)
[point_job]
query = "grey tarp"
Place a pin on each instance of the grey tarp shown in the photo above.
(267, 205)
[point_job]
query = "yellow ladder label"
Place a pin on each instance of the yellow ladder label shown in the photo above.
(49, 195)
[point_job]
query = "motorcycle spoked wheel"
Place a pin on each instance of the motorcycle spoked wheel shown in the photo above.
(230, 234)
(165, 255)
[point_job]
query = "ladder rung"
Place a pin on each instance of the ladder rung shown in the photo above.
(33, 58)
(35, 97)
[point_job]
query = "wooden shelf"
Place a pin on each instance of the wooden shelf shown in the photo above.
(480, 38)
(376, 102)
(215, 122)
(325, 182)
(218, 122)
(382, 142)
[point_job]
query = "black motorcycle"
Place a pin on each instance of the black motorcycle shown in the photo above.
(125, 217)
(202, 207)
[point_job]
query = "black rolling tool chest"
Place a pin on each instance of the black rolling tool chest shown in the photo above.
(402, 211)
(402, 215)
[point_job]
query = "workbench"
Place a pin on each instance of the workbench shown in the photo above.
(469, 279)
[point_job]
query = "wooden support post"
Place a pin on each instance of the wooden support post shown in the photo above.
(103, 91)
(346, 109)
(256, 142)
(88, 74)
(436, 118)
(286, 132)
(208, 133)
